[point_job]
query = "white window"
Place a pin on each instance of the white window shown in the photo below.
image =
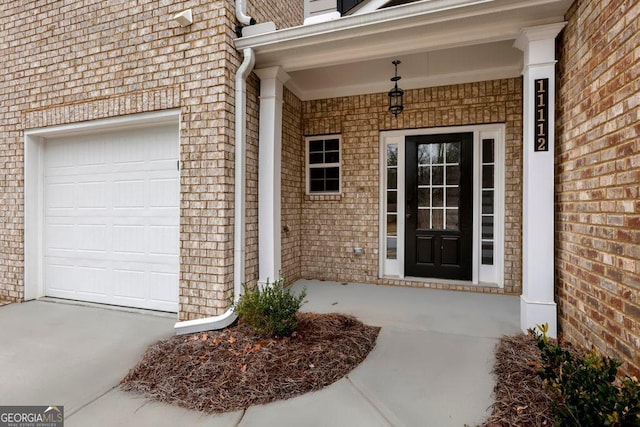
(324, 160)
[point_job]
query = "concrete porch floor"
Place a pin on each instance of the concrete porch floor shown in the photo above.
(431, 365)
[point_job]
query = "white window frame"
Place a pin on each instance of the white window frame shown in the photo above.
(481, 274)
(309, 166)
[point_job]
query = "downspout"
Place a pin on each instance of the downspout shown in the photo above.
(239, 239)
(241, 13)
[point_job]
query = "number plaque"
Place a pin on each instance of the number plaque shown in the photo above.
(541, 109)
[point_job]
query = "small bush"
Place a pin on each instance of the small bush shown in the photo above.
(270, 311)
(584, 387)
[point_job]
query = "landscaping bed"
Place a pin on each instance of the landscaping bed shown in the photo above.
(232, 369)
(520, 397)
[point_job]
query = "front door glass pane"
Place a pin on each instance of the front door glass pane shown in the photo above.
(438, 186)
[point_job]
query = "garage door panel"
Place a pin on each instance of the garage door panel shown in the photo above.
(93, 194)
(129, 284)
(91, 152)
(112, 218)
(92, 280)
(60, 236)
(158, 191)
(60, 277)
(129, 194)
(162, 288)
(129, 239)
(91, 238)
(60, 195)
(163, 240)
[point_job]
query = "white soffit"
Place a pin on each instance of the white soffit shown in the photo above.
(426, 69)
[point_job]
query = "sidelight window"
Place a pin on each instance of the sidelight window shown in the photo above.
(488, 201)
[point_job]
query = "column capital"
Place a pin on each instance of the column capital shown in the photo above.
(539, 32)
(273, 73)
(538, 43)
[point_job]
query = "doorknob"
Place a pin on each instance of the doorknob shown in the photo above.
(408, 216)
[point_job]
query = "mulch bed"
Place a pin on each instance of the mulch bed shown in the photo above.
(222, 371)
(519, 393)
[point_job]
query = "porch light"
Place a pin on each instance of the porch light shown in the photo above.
(396, 94)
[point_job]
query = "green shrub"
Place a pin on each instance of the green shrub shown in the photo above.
(270, 311)
(584, 387)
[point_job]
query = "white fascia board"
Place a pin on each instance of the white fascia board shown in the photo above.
(401, 17)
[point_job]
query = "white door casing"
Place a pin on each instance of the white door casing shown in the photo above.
(492, 275)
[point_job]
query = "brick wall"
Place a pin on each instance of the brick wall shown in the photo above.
(293, 186)
(69, 61)
(598, 179)
(333, 225)
(284, 13)
(251, 207)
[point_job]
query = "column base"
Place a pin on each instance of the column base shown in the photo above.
(534, 313)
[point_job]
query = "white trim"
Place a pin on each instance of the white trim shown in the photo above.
(538, 280)
(239, 237)
(307, 166)
(34, 141)
(492, 274)
(270, 173)
(533, 313)
(414, 12)
(323, 17)
(112, 123)
(393, 31)
(367, 6)
(391, 267)
(496, 131)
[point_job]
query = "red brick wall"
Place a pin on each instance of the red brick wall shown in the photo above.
(598, 178)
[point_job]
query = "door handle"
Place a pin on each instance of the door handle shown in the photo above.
(408, 216)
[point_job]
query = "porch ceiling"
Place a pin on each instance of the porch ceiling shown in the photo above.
(438, 41)
(424, 69)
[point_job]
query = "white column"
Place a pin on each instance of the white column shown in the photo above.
(269, 172)
(537, 305)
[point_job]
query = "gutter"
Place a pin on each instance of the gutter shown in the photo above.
(239, 238)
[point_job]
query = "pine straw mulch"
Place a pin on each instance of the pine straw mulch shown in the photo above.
(232, 369)
(519, 393)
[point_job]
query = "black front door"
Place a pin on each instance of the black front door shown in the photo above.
(439, 210)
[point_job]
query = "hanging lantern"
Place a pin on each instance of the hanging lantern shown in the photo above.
(396, 94)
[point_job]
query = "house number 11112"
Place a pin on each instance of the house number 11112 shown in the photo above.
(541, 109)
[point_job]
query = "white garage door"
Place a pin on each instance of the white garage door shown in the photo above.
(111, 220)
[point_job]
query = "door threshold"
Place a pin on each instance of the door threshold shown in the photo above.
(444, 281)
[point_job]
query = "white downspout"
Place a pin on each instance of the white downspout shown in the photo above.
(228, 317)
(241, 13)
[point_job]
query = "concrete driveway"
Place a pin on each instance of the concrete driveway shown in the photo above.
(66, 354)
(431, 365)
